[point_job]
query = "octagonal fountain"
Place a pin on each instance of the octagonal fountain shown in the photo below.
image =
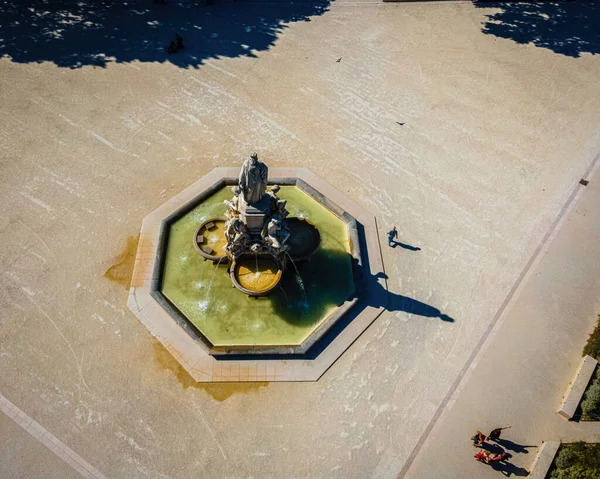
(251, 277)
(258, 268)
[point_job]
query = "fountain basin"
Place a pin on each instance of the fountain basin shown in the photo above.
(201, 296)
(304, 238)
(197, 355)
(256, 275)
(209, 239)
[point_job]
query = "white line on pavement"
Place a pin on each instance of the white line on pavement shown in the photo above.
(49, 440)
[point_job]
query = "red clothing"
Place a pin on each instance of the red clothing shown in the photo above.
(480, 456)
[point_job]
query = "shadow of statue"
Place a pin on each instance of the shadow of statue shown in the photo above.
(76, 34)
(567, 28)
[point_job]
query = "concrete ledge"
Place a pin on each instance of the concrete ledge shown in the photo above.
(577, 387)
(543, 460)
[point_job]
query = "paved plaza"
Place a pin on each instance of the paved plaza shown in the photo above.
(467, 126)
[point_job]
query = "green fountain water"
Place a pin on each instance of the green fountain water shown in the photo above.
(204, 294)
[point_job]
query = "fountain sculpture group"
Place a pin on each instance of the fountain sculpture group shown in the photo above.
(256, 233)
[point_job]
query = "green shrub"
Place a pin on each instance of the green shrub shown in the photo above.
(577, 461)
(592, 348)
(565, 458)
(591, 401)
(576, 472)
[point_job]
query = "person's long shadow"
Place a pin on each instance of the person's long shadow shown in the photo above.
(505, 467)
(405, 246)
(397, 302)
(508, 469)
(513, 446)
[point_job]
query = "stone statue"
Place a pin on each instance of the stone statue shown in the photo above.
(275, 233)
(233, 205)
(236, 235)
(253, 179)
(277, 204)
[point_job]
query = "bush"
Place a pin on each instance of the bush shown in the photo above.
(576, 472)
(590, 405)
(577, 461)
(566, 458)
(592, 347)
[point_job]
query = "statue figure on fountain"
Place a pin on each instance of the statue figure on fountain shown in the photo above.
(256, 219)
(253, 179)
(237, 236)
(275, 234)
(257, 232)
(278, 204)
(233, 205)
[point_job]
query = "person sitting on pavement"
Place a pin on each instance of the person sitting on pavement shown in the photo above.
(495, 434)
(478, 438)
(481, 456)
(495, 456)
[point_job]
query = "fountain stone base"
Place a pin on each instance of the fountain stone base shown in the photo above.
(254, 215)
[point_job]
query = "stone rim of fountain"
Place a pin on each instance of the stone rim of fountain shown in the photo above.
(234, 270)
(306, 362)
(288, 350)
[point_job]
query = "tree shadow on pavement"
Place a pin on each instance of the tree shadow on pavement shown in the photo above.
(567, 28)
(76, 34)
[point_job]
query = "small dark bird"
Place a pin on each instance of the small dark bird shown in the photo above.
(338, 60)
(401, 124)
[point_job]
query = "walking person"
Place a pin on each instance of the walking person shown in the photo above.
(392, 235)
(495, 434)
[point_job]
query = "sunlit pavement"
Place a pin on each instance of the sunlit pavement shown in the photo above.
(468, 136)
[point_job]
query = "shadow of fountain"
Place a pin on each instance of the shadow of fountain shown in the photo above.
(330, 271)
(326, 283)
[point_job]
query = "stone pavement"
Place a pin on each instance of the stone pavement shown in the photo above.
(470, 142)
(18, 448)
(520, 375)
